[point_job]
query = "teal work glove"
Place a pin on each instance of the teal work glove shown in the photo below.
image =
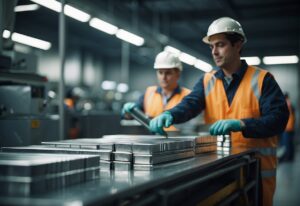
(223, 127)
(158, 123)
(128, 107)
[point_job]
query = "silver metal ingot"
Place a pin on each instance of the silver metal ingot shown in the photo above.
(122, 166)
(224, 149)
(157, 158)
(104, 154)
(157, 146)
(222, 138)
(105, 165)
(204, 149)
(123, 147)
(224, 144)
(123, 156)
(205, 139)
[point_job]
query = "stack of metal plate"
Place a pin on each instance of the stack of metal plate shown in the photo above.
(205, 143)
(24, 174)
(104, 148)
(224, 144)
(150, 153)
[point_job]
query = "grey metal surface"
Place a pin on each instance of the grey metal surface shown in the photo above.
(207, 148)
(105, 165)
(123, 156)
(157, 146)
(122, 166)
(163, 157)
(222, 138)
(224, 144)
(23, 174)
(50, 149)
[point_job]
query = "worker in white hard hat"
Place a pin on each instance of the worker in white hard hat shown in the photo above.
(237, 99)
(168, 94)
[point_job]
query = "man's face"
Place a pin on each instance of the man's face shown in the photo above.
(168, 78)
(223, 52)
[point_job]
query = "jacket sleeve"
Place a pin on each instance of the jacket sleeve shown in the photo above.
(140, 102)
(191, 105)
(274, 112)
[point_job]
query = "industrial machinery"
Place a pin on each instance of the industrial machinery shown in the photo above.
(23, 117)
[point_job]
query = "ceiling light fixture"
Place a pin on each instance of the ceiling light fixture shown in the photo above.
(130, 37)
(50, 4)
(202, 65)
(172, 50)
(27, 40)
(103, 26)
(293, 59)
(76, 14)
(186, 58)
(28, 7)
(252, 60)
(69, 10)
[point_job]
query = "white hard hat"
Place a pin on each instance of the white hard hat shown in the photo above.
(167, 60)
(224, 25)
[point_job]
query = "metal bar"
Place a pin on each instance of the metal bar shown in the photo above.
(62, 50)
(140, 117)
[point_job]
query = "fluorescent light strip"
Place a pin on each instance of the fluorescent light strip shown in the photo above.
(281, 59)
(28, 7)
(130, 37)
(27, 40)
(172, 50)
(76, 14)
(103, 26)
(202, 65)
(252, 60)
(69, 10)
(50, 4)
(186, 58)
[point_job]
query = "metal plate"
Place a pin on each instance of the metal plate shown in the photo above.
(204, 149)
(163, 157)
(105, 165)
(122, 166)
(123, 156)
(224, 144)
(224, 149)
(157, 146)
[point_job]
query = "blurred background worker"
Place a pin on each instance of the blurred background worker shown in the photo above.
(240, 99)
(168, 94)
(287, 137)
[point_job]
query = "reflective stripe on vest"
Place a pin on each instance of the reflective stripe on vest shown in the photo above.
(254, 84)
(266, 151)
(210, 85)
(268, 173)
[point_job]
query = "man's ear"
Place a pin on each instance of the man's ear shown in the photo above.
(239, 45)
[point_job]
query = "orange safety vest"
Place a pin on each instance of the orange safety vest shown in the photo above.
(290, 127)
(245, 104)
(153, 102)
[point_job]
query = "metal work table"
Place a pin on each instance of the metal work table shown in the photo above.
(188, 182)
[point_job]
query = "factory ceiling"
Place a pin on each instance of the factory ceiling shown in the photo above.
(271, 26)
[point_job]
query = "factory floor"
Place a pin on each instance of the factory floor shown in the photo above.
(288, 182)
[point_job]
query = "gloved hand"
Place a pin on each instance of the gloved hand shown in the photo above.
(128, 107)
(158, 123)
(223, 127)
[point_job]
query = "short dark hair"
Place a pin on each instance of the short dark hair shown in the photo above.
(234, 37)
